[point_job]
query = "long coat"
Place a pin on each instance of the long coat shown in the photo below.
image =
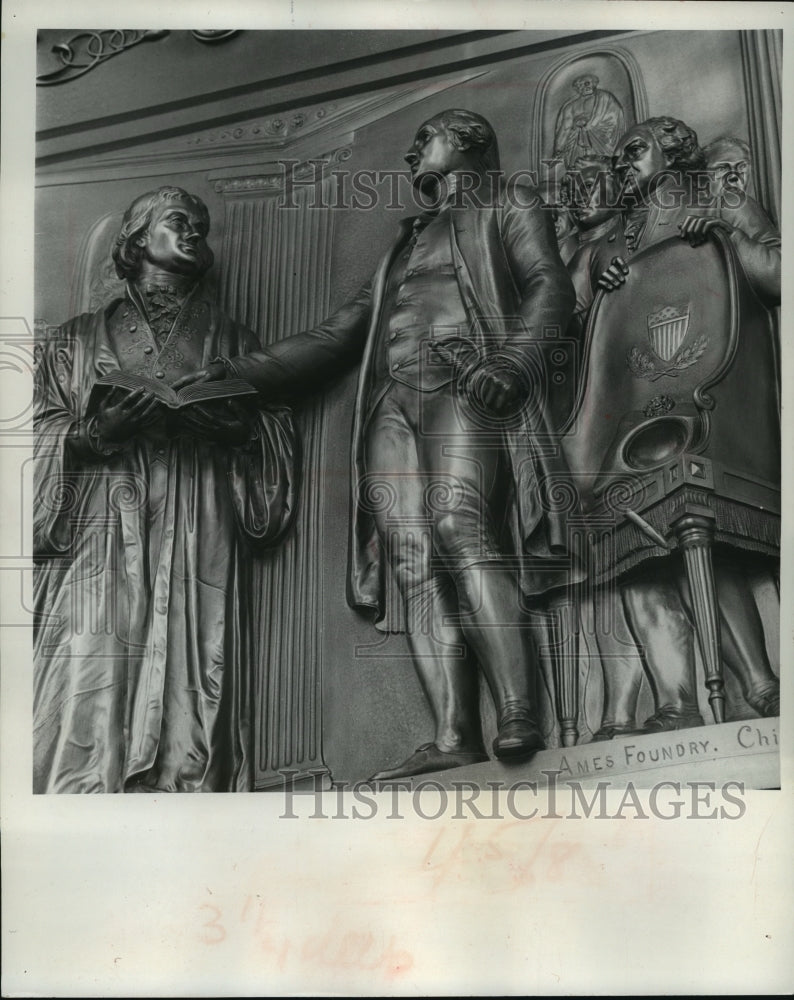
(142, 650)
(518, 296)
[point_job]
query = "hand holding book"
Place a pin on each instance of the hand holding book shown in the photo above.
(227, 423)
(120, 414)
(121, 405)
(176, 397)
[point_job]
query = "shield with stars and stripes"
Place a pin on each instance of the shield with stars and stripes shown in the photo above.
(667, 329)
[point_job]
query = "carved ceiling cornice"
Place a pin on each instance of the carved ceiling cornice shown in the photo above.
(301, 133)
(275, 132)
(274, 182)
(96, 147)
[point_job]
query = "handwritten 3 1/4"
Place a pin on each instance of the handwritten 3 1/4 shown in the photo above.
(339, 947)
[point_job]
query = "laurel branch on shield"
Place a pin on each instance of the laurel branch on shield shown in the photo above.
(667, 330)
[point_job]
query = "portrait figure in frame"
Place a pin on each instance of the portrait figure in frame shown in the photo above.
(588, 124)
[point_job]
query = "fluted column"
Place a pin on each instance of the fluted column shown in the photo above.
(762, 59)
(695, 536)
(564, 649)
(276, 263)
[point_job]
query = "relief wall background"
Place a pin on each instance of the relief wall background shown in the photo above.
(333, 692)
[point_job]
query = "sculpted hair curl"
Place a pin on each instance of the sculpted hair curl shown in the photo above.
(470, 131)
(127, 252)
(678, 140)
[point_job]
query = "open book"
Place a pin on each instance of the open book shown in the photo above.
(199, 392)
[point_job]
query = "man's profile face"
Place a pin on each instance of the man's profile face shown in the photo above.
(729, 168)
(432, 153)
(563, 223)
(596, 203)
(641, 158)
(176, 239)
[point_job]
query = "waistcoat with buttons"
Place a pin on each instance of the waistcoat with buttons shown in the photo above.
(421, 302)
(159, 353)
(155, 352)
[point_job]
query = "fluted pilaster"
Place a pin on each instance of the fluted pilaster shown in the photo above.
(275, 278)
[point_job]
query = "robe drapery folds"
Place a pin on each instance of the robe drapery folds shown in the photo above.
(143, 566)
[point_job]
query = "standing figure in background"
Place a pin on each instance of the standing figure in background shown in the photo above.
(660, 159)
(144, 528)
(445, 494)
(729, 163)
(555, 203)
(593, 193)
(565, 230)
(590, 124)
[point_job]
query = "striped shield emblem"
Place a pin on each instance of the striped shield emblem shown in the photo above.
(667, 329)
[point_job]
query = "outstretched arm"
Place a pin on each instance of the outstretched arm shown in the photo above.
(304, 362)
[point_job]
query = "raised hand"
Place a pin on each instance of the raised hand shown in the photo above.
(123, 414)
(696, 228)
(614, 276)
(225, 422)
(214, 372)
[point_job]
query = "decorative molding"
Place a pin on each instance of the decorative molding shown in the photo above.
(314, 168)
(330, 125)
(93, 48)
(281, 128)
(86, 50)
(211, 37)
(250, 185)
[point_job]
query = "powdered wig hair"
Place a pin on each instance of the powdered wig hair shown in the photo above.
(678, 140)
(127, 252)
(471, 132)
(714, 148)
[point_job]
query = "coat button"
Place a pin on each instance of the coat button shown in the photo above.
(159, 374)
(395, 367)
(148, 350)
(133, 327)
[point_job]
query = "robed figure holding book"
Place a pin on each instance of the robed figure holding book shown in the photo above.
(148, 511)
